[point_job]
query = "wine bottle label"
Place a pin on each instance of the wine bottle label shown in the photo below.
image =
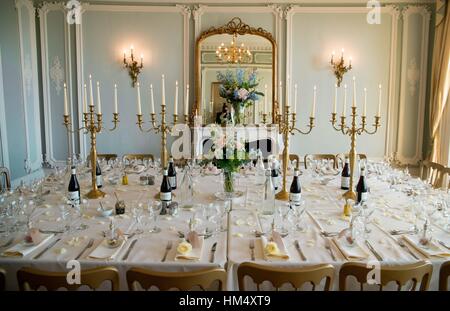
(165, 196)
(363, 196)
(295, 197)
(345, 182)
(99, 180)
(74, 197)
(173, 181)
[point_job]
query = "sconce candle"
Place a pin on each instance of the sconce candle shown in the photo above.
(139, 107)
(313, 111)
(265, 99)
(175, 109)
(186, 101)
(335, 98)
(91, 92)
(99, 104)
(379, 101)
(85, 110)
(152, 101)
(66, 106)
(163, 103)
(365, 103)
(116, 108)
(344, 106)
(295, 98)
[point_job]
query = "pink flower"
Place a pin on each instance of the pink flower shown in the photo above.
(242, 94)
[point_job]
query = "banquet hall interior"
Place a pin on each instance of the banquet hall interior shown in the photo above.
(225, 145)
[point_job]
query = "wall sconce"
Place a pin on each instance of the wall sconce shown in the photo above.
(339, 68)
(134, 68)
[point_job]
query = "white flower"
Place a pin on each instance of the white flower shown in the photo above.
(271, 248)
(184, 247)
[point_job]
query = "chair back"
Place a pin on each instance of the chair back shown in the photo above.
(296, 158)
(180, 280)
(33, 279)
(324, 156)
(340, 159)
(416, 273)
(433, 173)
(138, 156)
(279, 276)
(5, 179)
(2, 280)
(444, 274)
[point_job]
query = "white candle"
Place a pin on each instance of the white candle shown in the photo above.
(152, 101)
(85, 110)
(379, 101)
(335, 98)
(288, 91)
(99, 104)
(344, 106)
(265, 99)
(295, 98)
(90, 91)
(354, 92)
(163, 103)
(175, 109)
(186, 101)
(116, 108)
(365, 103)
(139, 107)
(313, 111)
(280, 97)
(66, 106)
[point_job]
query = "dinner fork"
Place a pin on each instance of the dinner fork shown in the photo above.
(251, 246)
(168, 248)
(328, 234)
(402, 245)
(443, 244)
(328, 247)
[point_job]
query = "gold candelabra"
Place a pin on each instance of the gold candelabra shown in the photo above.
(352, 131)
(287, 126)
(164, 128)
(92, 126)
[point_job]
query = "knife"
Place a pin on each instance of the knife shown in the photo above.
(47, 248)
(299, 250)
(369, 246)
(89, 245)
(213, 251)
(125, 257)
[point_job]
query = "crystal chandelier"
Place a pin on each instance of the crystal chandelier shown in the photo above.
(234, 53)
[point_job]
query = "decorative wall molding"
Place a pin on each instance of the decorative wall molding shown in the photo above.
(185, 12)
(395, 13)
(30, 85)
(3, 133)
(425, 12)
(53, 76)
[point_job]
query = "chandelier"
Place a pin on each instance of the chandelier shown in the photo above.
(233, 53)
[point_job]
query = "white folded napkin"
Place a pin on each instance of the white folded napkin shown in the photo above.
(354, 252)
(197, 245)
(432, 248)
(136, 169)
(22, 249)
(103, 251)
(282, 253)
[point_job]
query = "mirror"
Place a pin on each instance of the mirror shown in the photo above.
(235, 49)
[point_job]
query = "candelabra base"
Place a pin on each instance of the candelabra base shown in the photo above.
(95, 194)
(283, 195)
(350, 195)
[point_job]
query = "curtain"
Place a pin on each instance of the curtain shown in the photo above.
(440, 87)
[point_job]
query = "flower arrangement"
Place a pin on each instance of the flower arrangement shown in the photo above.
(239, 89)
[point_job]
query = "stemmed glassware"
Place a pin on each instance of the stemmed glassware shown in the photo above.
(283, 212)
(137, 211)
(154, 208)
(298, 212)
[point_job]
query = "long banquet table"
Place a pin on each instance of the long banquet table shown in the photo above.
(392, 210)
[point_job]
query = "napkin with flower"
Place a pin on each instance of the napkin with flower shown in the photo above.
(33, 240)
(135, 169)
(350, 252)
(274, 248)
(190, 248)
(431, 249)
(103, 251)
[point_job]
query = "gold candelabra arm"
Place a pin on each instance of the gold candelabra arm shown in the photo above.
(175, 119)
(98, 128)
(67, 124)
(115, 120)
(294, 128)
(264, 118)
(140, 123)
(376, 125)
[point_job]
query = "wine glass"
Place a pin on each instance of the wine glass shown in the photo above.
(81, 209)
(298, 210)
(136, 211)
(154, 208)
(283, 212)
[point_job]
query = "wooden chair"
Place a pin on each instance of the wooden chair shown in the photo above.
(419, 272)
(32, 279)
(433, 173)
(320, 157)
(180, 280)
(340, 158)
(278, 276)
(2, 280)
(138, 156)
(444, 274)
(7, 177)
(295, 157)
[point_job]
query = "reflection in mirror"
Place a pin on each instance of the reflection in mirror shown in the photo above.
(223, 55)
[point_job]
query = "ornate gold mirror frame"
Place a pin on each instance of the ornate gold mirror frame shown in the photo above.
(235, 26)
